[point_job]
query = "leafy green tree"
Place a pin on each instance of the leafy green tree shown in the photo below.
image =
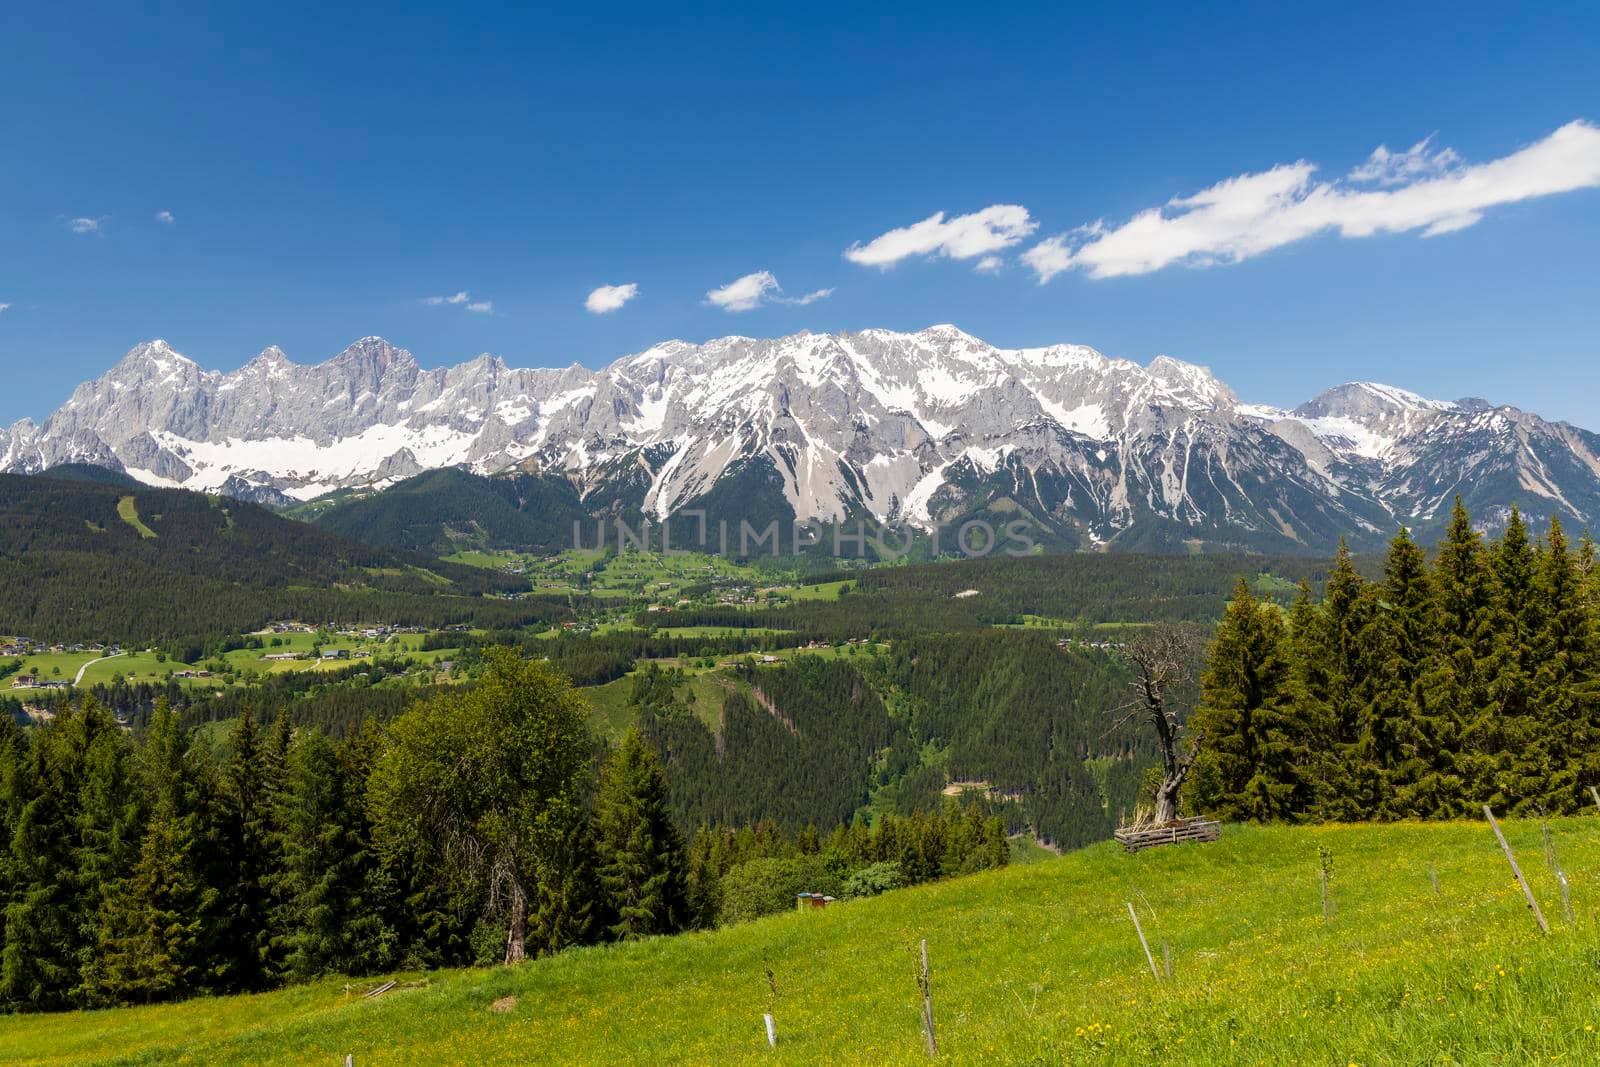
(481, 788)
(641, 861)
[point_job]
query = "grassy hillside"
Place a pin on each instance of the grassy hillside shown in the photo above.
(1030, 964)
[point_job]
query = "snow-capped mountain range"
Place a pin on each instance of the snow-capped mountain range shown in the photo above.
(910, 428)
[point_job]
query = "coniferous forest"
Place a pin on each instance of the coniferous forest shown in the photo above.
(484, 824)
(1466, 679)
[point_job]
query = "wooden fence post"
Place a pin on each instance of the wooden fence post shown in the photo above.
(1140, 931)
(1596, 794)
(772, 1030)
(1533, 905)
(927, 1004)
(1322, 877)
(1433, 877)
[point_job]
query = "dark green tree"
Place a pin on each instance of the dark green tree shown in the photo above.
(640, 852)
(1564, 679)
(151, 934)
(74, 837)
(1251, 765)
(480, 790)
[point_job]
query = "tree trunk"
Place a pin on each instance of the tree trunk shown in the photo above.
(1167, 799)
(517, 932)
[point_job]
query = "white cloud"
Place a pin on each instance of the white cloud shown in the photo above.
(166, 217)
(753, 290)
(744, 294)
(609, 298)
(1399, 168)
(963, 237)
(989, 265)
(463, 299)
(809, 298)
(4, 308)
(1431, 191)
(85, 224)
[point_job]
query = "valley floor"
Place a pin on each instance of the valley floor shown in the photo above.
(1031, 964)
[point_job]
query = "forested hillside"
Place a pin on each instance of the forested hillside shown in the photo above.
(446, 510)
(81, 560)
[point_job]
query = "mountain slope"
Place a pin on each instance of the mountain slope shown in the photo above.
(81, 561)
(922, 428)
(444, 511)
(1030, 964)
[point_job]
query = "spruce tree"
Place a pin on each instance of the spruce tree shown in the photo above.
(641, 864)
(564, 912)
(1396, 644)
(74, 837)
(1310, 692)
(1347, 609)
(1453, 689)
(151, 929)
(1249, 767)
(1564, 680)
(1507, 734)
(320, 890)
(251, 860)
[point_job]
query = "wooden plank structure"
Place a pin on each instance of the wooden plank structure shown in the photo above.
(1135, 838)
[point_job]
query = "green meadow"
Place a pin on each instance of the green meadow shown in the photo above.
(1035, 963)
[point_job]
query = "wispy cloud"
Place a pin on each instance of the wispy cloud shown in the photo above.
(981, 233)
(1419, 189)
(166, 217)
(809, 298)
(463, 299)
(86, 224)
(989, 265)
(4, 308)
(753, 290)
(608, 298)
(1401, 168)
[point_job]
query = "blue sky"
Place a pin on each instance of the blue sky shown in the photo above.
(326, 173)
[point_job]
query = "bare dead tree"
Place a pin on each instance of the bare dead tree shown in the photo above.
(1165, 660)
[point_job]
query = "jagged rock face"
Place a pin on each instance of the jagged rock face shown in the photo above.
(911, 427)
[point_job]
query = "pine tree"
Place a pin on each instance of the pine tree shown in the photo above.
(1347, 610)
(640, 853)
(74, 837)
(1507, 734)
(321, 889)
(1564, 680)
(1453, 689)
(1396, 644)
(251, 861)
(564, 912)
(151, 929)
(1250, 768)
(1309, 696)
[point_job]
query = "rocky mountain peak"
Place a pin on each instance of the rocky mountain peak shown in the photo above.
(905, 426)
